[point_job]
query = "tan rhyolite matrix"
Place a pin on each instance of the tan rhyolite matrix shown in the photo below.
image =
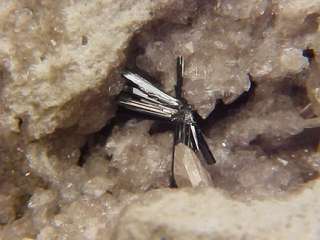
(59, 76)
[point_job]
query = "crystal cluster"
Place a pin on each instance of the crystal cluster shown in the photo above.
(71, 167)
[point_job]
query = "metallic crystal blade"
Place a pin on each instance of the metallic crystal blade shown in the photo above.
(204, 149)
(184, 135)
(191, 136)
(180, 70)
(139, 93)
(148, 107)
(152, 91)
(194, 136)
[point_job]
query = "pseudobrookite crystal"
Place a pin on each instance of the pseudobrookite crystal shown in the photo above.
(71, 168)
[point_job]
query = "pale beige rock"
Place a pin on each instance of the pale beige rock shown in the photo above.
(42, 197)
(242, 9)
(87, 218)
(59, 74)
(43, 206)
(57, 56)
(210, 214)
(228, 41)
(188, 169)
(97, 186)
(313, 88)
(8, 211)
(19, 229)
(141, 160)
(50, 157)
(292, 61)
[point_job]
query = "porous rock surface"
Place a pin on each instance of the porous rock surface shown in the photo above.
(209, 214)
(68, 171)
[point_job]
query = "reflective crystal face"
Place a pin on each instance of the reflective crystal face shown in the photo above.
(72, 167)
(188, 116)
(185, 114)
(144, 97)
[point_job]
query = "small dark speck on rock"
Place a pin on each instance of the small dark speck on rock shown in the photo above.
(84, 40)
(308, 53)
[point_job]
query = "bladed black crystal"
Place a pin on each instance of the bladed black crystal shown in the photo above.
(142, 96)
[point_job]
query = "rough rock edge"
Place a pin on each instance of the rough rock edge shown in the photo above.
(181, 214)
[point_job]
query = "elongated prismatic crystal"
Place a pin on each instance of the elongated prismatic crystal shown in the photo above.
(142, 96)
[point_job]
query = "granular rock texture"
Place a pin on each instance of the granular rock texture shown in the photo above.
(227, 45)
(56, 58)
(138, 154)
(182, 214)
(228, 41)
(72, 167)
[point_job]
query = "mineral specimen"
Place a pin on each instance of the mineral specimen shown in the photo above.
(142, 96)
(73, 168)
